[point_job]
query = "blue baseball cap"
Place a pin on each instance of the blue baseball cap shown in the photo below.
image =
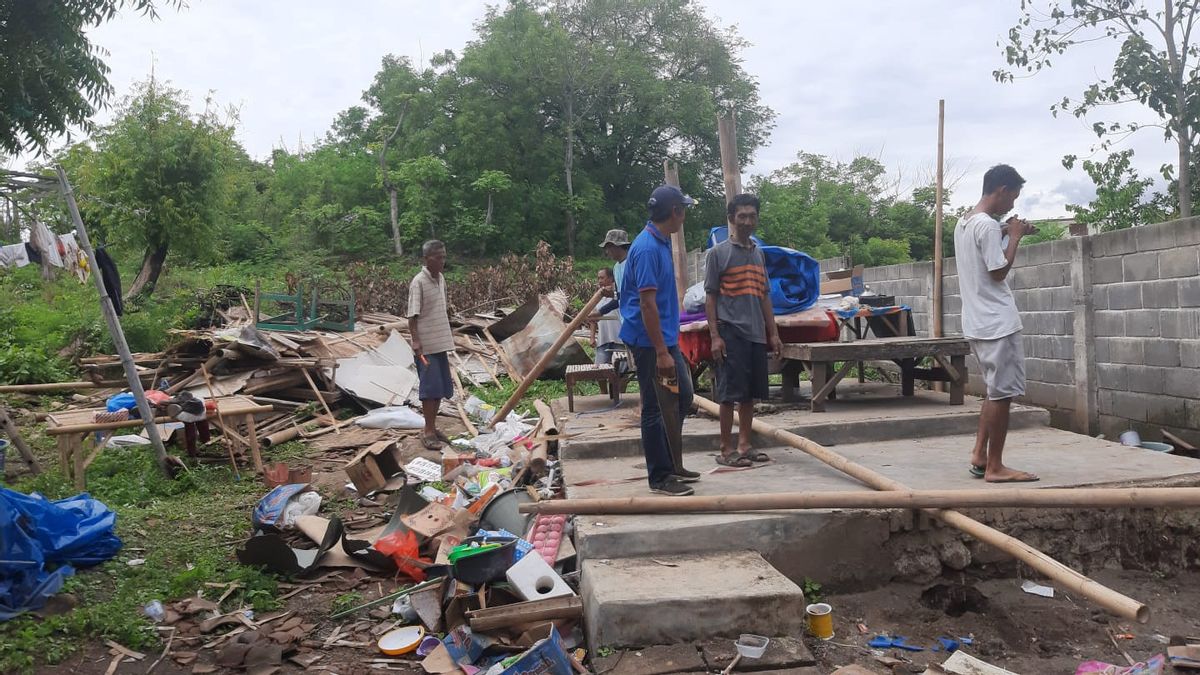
(664, 199)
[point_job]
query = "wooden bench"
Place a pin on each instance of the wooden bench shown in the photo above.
(818, 358)
(604, 373)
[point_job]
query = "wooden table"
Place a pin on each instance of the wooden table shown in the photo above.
(818, 358)
(75, 429)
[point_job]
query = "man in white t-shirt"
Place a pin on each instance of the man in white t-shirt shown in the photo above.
(984, 251)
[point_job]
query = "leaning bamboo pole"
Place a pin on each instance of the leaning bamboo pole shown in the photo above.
(1053, 498)
(1116, 603)
(548, 357)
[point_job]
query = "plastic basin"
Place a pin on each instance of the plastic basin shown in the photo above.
(751, 646)
(486, 567)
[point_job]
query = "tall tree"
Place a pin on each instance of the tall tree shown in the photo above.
(1157, 66)
(51, 75)
(159, 177)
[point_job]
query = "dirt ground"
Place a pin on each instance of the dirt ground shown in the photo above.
(1012, 629)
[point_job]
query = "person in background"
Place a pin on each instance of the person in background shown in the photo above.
(606, 327)
(984, 251)
(432, 341)
(616, 248)
(741, 323)
(650, 327)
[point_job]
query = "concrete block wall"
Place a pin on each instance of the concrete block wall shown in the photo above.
(1146, 300)
(1110, 321)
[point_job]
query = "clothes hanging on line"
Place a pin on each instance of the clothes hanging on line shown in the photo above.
(112, 280)
(14, 255)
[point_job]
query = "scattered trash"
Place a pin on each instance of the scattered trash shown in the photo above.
(135, 562)
(820, 620)
(155, 611)
(401, 641)
(962, 663)
(893, 642)
(1152, 666)
(1185, 656)
(1035, 588)
(392, 417)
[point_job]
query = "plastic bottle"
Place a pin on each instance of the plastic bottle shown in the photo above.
(155, 611)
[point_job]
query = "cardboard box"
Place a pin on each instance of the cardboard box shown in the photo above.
(843, 281)
(371, 468)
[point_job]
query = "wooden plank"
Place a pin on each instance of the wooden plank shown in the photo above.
(877, 349)
(568, 607)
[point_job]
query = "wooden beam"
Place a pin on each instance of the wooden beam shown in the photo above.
(678, 241)
(730, 169)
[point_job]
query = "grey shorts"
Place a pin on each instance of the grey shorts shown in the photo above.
(742, 374)
(1003, 364)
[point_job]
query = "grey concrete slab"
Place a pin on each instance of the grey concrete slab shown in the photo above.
(862, 413)
(636, 602)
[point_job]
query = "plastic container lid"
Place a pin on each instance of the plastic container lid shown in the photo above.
(401, 641)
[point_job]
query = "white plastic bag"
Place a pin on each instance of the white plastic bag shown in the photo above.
(693, 298)
(303, 504)
(392, 417)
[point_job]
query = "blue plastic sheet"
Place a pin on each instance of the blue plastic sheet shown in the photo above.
(42, 542)
(795, 277)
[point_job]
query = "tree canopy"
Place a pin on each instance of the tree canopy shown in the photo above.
(52, 75)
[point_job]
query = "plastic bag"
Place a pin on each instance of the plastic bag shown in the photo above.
(693, 299)
(269, 511)
(404, 548)
(303, 504)
(122, 401)
(392, 417)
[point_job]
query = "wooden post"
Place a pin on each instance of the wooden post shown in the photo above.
(1114, 602)
(937, 226)
(678, 242)
(730, 170)
(542, 364)
(114, 327)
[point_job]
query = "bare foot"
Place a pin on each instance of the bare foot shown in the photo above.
(1007, 475)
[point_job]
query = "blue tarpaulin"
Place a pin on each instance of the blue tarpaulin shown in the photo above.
(794, 276)
(42, 542)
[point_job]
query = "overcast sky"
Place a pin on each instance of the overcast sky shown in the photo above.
(844, 78)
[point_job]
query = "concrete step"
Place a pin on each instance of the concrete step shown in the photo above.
(861, 415)
(634, 602)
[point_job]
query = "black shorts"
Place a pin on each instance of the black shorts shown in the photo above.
(435, 378)
(742, 375)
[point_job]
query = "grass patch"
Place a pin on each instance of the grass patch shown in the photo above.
(184, 529)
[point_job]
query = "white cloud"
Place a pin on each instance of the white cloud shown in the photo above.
(844, 78)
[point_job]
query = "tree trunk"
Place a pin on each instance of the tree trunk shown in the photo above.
(568, 163)
(394, 206)
(487, 221)
(152, 264)
(1184, 184)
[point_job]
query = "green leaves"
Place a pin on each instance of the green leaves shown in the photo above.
(52, 76)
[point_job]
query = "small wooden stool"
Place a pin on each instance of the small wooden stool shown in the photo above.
(604, 373)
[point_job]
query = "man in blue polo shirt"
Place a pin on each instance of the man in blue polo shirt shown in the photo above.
(650, 316)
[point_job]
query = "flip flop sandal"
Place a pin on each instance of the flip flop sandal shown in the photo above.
(443, 437)
(978, 471)
(431, 443)
(734, 460)
(757, 456)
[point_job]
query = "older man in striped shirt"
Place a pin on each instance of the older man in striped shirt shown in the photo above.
(741, 322)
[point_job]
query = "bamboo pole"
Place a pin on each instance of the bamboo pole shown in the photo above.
(678, 242)
(937, 225)
(548, 426)
(227, 430)
(460, 399)
(1104, 498)
(114, 326)
(1069, 579)
(324, 403)
(549, 356)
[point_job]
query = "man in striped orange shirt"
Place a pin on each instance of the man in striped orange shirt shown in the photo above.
(741, 322)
